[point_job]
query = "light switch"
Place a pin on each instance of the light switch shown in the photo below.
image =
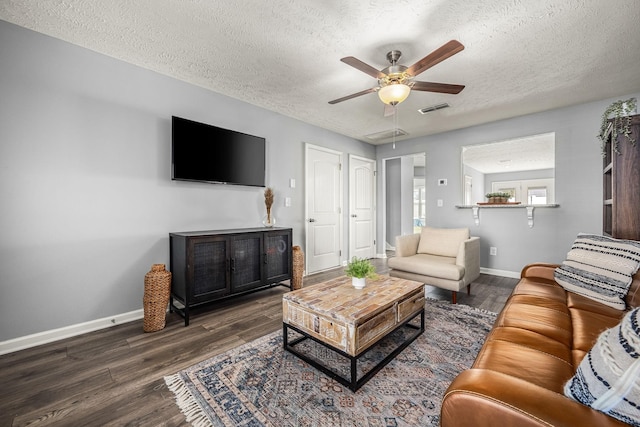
(440, 203)
(292, 183)
(287, 202)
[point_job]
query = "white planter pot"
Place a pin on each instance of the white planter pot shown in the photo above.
(358, 282)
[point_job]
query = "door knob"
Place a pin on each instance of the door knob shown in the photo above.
(312, 220)
(354, 216)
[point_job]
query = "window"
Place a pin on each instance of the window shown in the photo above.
(528, 191)
(419, 214)
(537, 195)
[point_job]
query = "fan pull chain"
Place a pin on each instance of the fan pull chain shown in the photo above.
(395, 125)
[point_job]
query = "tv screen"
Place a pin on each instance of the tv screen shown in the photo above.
(205, 153)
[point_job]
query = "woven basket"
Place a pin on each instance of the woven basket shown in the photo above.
(157, 287)
(298, 267)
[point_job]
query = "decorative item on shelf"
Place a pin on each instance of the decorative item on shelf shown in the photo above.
(619, 113)
(360, 269)
(498, 198)
(157, 287)
(268, 220)
(298, 267)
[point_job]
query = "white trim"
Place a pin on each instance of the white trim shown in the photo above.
(52, 335)
(382, 256)
(501, 273)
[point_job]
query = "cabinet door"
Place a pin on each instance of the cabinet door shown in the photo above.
(208, 268)
(626, 186)
(277, 256)
(246, 262)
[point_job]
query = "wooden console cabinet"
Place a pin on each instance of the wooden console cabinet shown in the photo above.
(207, 266)
(621, 185)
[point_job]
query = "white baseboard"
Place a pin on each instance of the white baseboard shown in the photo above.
(52, 335)
(501, 273)
(382, 256)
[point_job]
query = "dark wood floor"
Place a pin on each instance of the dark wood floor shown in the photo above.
(114, 377)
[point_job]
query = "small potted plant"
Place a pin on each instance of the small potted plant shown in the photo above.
(619, 113)
(499, 197)
(360, 269)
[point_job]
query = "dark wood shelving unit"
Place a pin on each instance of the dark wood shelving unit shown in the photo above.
(621, 184)
(211, 265)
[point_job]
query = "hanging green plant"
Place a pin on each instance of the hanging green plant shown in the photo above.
(620, 113)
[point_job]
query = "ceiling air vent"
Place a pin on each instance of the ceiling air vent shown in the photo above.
(426, 110)
(386, 134)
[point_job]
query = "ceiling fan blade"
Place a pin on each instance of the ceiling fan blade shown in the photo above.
(437, 87)
(353, 95)
(365, 68)
(443, 52)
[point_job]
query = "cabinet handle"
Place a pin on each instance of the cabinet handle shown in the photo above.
(233, 264)
(312, 220)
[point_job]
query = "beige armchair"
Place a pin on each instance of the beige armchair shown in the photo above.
(448, 258)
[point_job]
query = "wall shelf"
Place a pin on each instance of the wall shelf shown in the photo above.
(475, 210)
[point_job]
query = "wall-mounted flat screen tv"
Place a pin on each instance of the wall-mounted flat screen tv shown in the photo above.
(205, 153)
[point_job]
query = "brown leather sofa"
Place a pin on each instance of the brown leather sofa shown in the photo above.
(534, 348)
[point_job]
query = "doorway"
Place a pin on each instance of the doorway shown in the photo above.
(403, 196)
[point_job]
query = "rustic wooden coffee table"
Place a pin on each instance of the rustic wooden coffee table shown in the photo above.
(350, 321)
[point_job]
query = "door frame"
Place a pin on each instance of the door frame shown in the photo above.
(307, 193)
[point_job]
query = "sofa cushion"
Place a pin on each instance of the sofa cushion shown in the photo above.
(600, 268)
(428, 265)
(525, 362)
(442, 241)
(607, 378)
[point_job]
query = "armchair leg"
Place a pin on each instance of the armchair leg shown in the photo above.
(454, 297)
(469, 289)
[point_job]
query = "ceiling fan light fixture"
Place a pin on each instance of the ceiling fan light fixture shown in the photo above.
(394, 94)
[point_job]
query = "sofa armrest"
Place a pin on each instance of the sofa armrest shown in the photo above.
(407, 245)
(469, 257)
(540, 269)
(481, 397)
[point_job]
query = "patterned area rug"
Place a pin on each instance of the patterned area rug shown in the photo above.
(259, 384)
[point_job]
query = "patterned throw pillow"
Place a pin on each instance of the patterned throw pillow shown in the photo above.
(600, 268)
(608, 378)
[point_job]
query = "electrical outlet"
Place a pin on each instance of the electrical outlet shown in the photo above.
(493, 251)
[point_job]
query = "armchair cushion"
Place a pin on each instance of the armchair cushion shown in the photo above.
(442, 241)
(430, 265)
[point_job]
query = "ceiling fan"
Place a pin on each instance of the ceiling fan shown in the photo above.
(396, 81)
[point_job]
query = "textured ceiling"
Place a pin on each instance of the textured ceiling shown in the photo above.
(520, 57)
(521, 154)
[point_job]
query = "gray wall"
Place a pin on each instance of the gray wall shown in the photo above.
(478, 185)
(87, 200)
(578, 184)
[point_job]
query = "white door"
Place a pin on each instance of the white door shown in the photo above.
(323, 189)
(362, 207)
